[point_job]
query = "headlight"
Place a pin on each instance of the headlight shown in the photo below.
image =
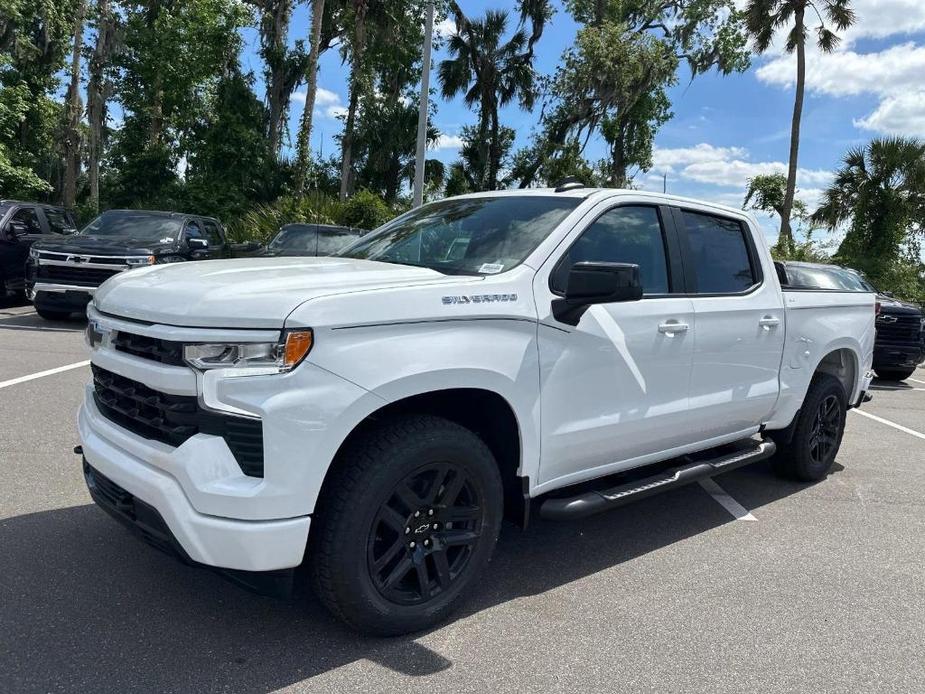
(34, 254)
(140, 261)
(267, 357)
(169, 259)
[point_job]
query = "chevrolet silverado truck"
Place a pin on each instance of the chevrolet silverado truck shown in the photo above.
(374, 415)
(63, 274)
(21, 225)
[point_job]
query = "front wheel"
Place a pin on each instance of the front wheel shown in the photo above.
(810, 453)
(406, 524)
(895, 374)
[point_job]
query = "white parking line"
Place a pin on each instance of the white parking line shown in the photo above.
(726, 501)
(874, 417)
(915, 380)
(40, 374)
(899, 388)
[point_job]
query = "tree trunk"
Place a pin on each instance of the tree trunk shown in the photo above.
(494, 150)
(357, 82)
(276, 60)
(74, 109)
(786, 234)
(97, 95)
(311, 75)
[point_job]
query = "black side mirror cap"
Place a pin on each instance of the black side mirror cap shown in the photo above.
(596, 283)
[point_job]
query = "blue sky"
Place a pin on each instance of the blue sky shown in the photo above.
(725, 129)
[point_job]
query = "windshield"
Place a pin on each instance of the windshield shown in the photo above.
(483, 235)
(3, 208)
(138, 226)
(301, 238)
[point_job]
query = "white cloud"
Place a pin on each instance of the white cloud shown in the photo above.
(894, 74)
(447, 142)
(903, 114)
(323, 97)
(720, 174)
(725, 166)
(336, 111)
(445, 28)
(847, 73)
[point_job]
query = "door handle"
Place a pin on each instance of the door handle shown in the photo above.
(670, 327)
(768, 322)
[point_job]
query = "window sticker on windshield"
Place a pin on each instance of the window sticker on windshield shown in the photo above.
(491, 268)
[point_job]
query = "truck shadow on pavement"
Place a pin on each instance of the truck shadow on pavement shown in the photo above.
(85, 605)
(22, 318)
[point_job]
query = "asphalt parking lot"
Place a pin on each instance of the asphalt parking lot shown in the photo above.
(781, 587)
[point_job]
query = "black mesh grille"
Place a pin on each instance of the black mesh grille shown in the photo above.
(162, 351)
(83, 276)
(904, 329)
(172, 419)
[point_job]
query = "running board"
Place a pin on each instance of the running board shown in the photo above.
(747, 452)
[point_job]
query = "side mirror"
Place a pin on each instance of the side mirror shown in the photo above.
(197, 244)
(889, 294)
(596, 283)
(16, 229)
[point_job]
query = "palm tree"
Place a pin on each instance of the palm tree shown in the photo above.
(491, 72)
(879, 194)
(763, 18)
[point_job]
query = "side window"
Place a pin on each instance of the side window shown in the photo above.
(212, 233)
(57, 221)
(720, 253)
(25, 221)
(193, 230)
(331, 242)
(622, 235)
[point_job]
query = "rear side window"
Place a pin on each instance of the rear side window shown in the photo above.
(58, 222)
(212, 233)
(628, 234)
(330, 242)
(720, 253)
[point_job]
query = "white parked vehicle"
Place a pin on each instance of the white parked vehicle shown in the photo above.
(376, 414)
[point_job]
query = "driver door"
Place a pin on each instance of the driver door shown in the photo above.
(614, 388)
(20, 231)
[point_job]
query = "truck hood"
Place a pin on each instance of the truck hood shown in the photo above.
(103, 246)
(246, 292)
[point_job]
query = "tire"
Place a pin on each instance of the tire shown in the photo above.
(362, 564)
(895, 374)
(50, 314)
(820, 425)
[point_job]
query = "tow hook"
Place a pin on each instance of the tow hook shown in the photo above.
(78, 450)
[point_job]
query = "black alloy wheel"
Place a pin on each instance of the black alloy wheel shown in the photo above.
(824, 435)
(422, 537)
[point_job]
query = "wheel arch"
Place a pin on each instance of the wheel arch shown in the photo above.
(486, 412)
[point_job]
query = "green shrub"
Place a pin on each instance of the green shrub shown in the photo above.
(261, 222)
(364, 210)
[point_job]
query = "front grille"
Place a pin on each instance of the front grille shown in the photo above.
(162, 351)
(172, 419)
(906, 328)
(83, 276)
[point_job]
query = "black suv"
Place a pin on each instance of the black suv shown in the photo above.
(21, 225)
(63, 274)
(900, 344)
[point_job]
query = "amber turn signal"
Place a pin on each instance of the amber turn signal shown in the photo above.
(298, 344)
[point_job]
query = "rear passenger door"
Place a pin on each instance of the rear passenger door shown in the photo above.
(217, 246)
(739, 338)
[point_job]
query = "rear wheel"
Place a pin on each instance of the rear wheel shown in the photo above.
(406, 525)
(817, 436)
(895, 374)
(51, 314)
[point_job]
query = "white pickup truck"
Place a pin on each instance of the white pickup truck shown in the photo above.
(376, 414)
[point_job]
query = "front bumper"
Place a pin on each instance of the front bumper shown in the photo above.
(898, 356)
(61, 297)
(244, 545)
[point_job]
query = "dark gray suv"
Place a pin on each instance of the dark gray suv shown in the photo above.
(21, 225)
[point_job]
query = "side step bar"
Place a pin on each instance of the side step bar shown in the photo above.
(588, 503)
